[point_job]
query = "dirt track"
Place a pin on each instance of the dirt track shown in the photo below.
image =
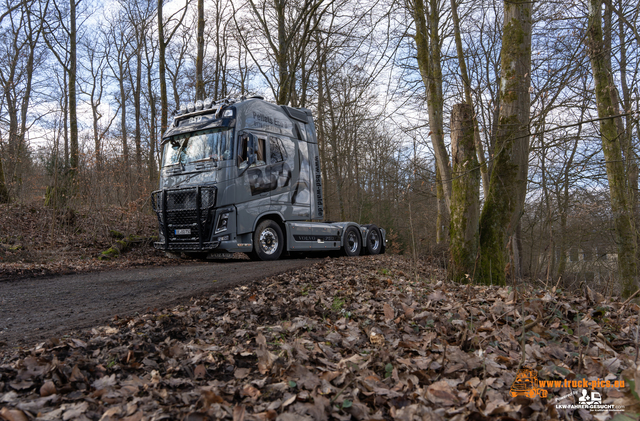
(36, 309)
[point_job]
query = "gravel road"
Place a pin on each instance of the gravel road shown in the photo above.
(36, 309)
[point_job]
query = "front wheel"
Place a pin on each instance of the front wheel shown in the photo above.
(268, 241)
(352, 244)
(374, 240)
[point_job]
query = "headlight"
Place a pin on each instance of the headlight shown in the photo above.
(223, 220)
(191, 107)
(198, 105)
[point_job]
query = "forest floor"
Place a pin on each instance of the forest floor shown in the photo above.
(347, 339)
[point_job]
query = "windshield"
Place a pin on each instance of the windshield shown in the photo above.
(205, 145)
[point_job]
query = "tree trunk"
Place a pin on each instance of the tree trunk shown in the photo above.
(152, 119)
(96, 134)
(137, 94)
(612, 149)
(507, 187)
(4, 194)
(465, 198)
(563, 201)
(320, 123)
(65, 118)
(162, 63)
(467, 95)
(428, 50)
(281, 56)
(629, 152)
(73, 117)
(123, 111)
(200, 94)
(441, 218)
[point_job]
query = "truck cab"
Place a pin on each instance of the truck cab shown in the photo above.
(244, 176)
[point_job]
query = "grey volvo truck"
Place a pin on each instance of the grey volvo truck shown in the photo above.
(244, 176)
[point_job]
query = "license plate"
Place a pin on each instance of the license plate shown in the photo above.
(186, 231)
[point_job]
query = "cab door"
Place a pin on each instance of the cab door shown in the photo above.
(280, 173)
(252, 198)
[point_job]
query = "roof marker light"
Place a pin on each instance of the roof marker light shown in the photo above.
(227, 113)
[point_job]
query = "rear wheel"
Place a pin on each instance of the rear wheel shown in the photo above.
(374, 240)
(352, 244)
(268, 241)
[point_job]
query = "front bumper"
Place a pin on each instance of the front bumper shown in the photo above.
(186, 217)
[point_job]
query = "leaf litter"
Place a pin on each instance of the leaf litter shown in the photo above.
(366, 338)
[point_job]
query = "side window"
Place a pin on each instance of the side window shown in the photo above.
(261, 152)
(249, 145)
(277, 151)
(243, 145)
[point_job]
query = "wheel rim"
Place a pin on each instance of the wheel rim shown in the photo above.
(352, 241)
(374, 240)
(269, 241)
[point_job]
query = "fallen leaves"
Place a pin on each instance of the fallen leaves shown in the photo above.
(346, 339)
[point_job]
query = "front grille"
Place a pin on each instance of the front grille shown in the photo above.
(185, 217)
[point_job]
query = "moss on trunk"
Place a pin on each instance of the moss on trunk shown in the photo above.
(508, 184)
(611, 147)
(121, 246)
(465, 195)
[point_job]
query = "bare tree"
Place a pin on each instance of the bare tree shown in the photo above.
(286, 29)
(507, 189)
(97, 53)
(119, 38)
(467, 96)
(149, 53)
(607, 104)
(19, 56)
(428, 48)
(60, 34)
(200, 94)
(163, 41)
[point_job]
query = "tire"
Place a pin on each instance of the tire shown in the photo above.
(352, 244)
(268, 241)
(373, 243)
